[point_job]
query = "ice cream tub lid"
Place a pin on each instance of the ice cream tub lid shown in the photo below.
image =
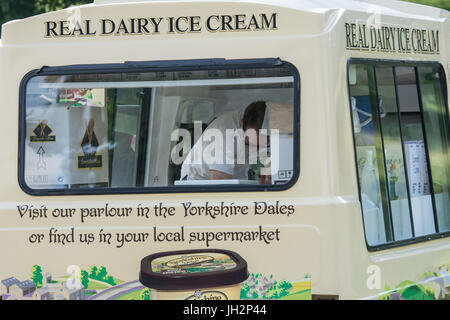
(193, 269)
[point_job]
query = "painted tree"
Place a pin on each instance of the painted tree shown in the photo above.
(282, 288)
(245, 288)
(36, 275)
(145, 294)
(272, 293)
(101, 273)
(84, 278)
(110, 280)
(286, 285)
(93, 272)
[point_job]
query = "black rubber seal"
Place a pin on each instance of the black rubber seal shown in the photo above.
(200, 280)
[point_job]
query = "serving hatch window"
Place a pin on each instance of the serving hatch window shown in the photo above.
(401, 132)
(173, 129)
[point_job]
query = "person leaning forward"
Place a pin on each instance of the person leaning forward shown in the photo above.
(222, 160)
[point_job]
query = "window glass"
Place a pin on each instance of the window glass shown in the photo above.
(160, 129)
(436, 124)
(371, 168)
(393, 150)
(125, 108)
(401, 133)
(416, 156)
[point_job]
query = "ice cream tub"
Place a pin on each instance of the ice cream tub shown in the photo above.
(205, 274)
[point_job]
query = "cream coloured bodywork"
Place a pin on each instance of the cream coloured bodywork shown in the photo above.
(324, 238)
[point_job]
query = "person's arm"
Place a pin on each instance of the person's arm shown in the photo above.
(217, 175)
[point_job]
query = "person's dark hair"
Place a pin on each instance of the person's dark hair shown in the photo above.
(254, 115)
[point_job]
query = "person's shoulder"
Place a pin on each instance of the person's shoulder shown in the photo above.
(234, 116)
(229, 114)
(225, 118)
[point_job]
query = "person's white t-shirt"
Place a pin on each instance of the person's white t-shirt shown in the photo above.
(200, 160)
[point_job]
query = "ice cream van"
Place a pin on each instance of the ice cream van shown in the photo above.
(226, 150)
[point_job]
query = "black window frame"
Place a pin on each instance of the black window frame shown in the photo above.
(159, 66)
(398, 63)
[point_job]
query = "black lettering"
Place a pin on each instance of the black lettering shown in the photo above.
(22, 210)
(208, 23)
(177, 24)
(291, 209)
(380, 40)
(105, 23)
(240, 22)
(226, 23)
(87, 238)
(360, 37)
(50, 29)
(400, 32)
(253, 24)
(347, 34)
(33, 213)
(143, 211)
(64, 28)
(388, 38)
(142, 26)
(408, 39)
(392, 32)
(171, 28)
(424, 41)
(260, 207)
(435, 40)
(353, 33)
(195, 24)
(105, 237)
(84, 212)
(269, 24)
(122, 28)
(36, 238)
(77, 29)
(156, 22)
(132, 26)
(373, 38)
(366, 43)
(88, 28)
(414, 41)
(419, 41)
